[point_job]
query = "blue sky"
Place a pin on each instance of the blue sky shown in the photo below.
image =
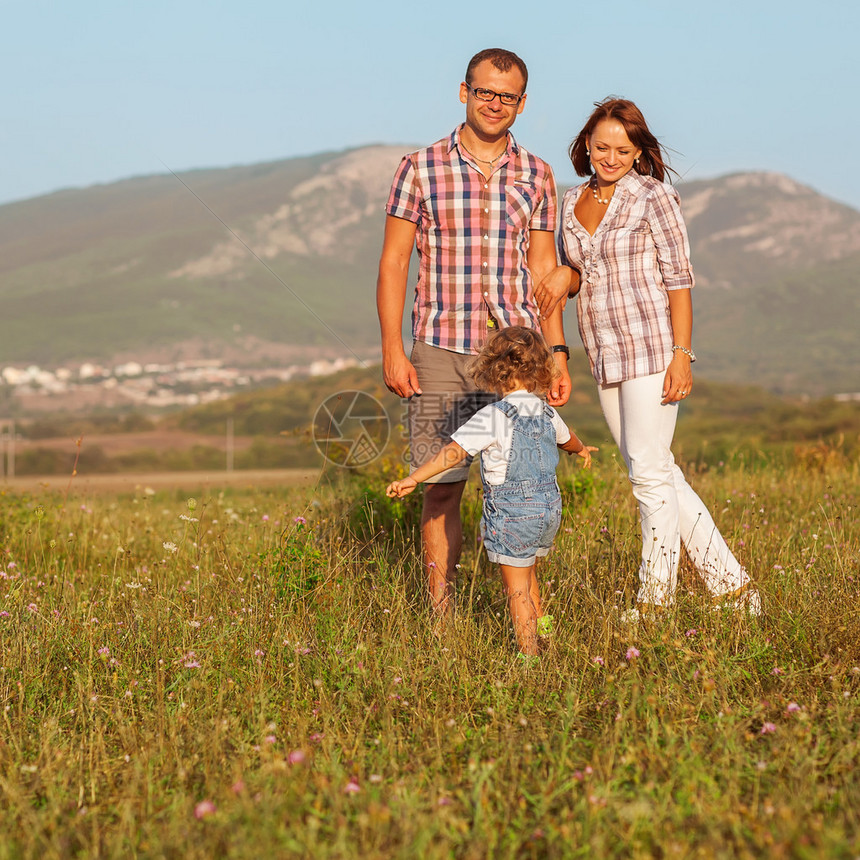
(98, 91)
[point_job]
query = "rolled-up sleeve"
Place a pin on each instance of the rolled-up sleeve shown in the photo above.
(546, 212)
(404, 200)
(670, 238)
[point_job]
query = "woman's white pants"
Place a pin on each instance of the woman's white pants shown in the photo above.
(669, 509)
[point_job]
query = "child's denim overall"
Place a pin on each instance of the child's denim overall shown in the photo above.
(522, 515)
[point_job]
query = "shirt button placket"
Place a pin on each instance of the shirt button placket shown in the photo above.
(485, 245)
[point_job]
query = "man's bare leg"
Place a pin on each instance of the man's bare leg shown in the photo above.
(442, 540)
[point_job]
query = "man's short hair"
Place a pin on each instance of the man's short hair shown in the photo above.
(503, 60)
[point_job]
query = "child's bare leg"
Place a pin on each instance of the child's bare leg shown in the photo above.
(534, 590)
(517, 582)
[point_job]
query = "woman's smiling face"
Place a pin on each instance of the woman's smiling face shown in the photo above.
(612, 153)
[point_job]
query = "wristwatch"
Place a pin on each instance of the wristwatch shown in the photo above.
(562, 347)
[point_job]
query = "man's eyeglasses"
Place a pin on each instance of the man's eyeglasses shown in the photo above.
(486, 95)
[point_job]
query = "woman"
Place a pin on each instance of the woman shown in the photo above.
(624, 249)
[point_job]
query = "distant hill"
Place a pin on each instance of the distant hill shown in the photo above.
(148, 269)
(778, 295)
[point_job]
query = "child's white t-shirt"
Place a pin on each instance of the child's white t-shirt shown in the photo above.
(491, 432)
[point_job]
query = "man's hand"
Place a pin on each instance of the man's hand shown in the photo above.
(559, 394)
(400, 376)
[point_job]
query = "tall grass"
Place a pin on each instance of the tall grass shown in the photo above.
(254, 674)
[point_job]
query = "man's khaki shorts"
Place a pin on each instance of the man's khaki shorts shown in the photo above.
(448, 400)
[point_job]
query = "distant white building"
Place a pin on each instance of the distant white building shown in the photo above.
(14, 376)
(324, 368)
(130, 368)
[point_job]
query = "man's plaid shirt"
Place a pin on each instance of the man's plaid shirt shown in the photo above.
(472, 236)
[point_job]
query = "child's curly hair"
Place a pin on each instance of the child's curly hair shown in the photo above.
(514, 357)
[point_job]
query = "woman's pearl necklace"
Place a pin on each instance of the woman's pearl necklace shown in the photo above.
(597, 197)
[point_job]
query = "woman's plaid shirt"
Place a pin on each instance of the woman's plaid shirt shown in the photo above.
(638, 253)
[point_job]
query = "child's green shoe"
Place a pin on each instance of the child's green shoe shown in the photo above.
(545, 626)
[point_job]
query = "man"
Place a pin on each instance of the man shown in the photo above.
(481, 212)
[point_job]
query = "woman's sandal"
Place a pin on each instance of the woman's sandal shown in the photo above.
(744, 599)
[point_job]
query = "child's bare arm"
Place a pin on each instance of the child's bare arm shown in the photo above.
(575, 446)
(449, 456)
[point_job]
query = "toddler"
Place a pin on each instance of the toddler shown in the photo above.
(518, 438)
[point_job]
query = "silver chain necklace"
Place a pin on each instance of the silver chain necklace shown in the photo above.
(484, 160)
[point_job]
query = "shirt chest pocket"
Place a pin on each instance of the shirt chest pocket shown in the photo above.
(631, 239)
(520, 202)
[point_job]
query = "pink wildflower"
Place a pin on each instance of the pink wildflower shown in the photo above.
(632, 652)
(768, 728)
(792, 708)
(598, 661)
(296, 757)
(352, 787)
(204, 809)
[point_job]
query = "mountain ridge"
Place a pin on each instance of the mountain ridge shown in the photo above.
(162, 264)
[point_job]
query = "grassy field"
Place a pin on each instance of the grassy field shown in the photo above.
(252, 674)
